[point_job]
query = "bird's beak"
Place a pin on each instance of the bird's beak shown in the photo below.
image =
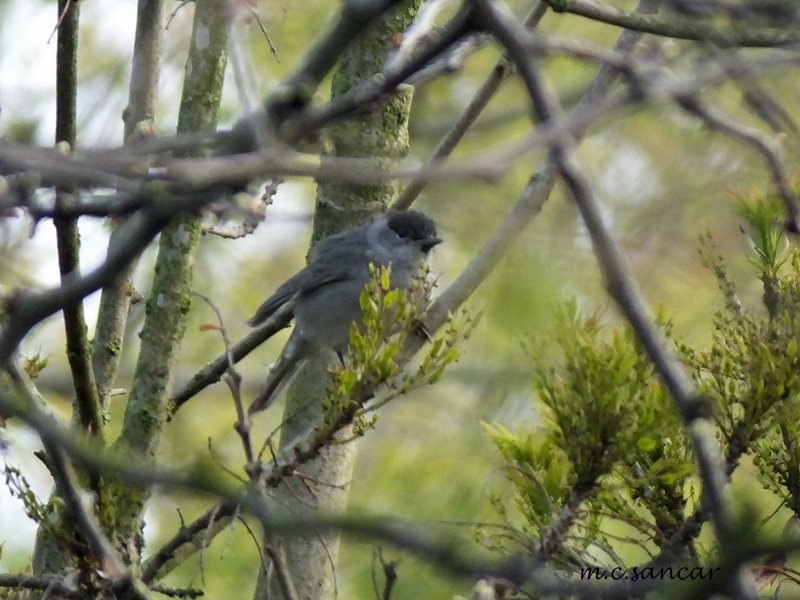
(428, 244)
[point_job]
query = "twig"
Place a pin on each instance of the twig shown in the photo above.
(389, 574)
(255, 14)
(417, 35)
(62, 15)
(278, 558)
(252, 534)
(186, 542)
(175, 12)
(768, 147)
(359, 97)
(499, 74)
(233, 380)
(297, 88)
(451, 60)
(171, 592)
(213, 371)
(240, 60)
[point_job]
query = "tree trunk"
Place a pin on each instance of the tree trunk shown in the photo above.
(308, 562)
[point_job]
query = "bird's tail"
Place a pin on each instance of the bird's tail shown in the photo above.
(294, 354)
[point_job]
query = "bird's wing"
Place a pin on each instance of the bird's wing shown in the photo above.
(304, 281)
(330, 261)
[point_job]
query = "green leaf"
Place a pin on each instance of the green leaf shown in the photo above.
(646, 444)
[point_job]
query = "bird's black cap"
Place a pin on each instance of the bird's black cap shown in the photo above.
(415, 226)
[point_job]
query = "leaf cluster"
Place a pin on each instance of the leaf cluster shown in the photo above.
(611, 447)
(378, 354)
(751, 371)
(610, 444)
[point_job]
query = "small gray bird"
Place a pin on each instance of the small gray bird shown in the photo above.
(328, 289)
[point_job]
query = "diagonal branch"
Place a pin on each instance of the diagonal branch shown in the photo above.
(498, 76)
(768, 147)
(299, 86)
(678, 27)
(26, 309)
(214, 370)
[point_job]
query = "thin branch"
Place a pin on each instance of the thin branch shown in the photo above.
(499, 75)
(287, 109)
(57, 584)
(675, 26)
(186, 542)
(171, 592)
(277, 557)
(451, 60)
(417, 35)
(54, 168)
(213, 371)
(86, 403)
(389, 575)
(372, 90)
(234, 381)
(298, 87)
(25, 309)
(765, 145)
(261, 26)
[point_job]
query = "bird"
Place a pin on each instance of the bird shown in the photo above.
(327, 290)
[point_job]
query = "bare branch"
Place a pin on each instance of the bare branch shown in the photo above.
(61, 585)
(189, 540)
(297, 88)
(25, 309)
(213, 372)
(768, 147)
(234, 381)
(679, 27)
(500, 73)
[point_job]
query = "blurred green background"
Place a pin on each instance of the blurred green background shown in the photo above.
(662, 177)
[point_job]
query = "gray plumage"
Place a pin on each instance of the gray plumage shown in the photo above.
(327, 290)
